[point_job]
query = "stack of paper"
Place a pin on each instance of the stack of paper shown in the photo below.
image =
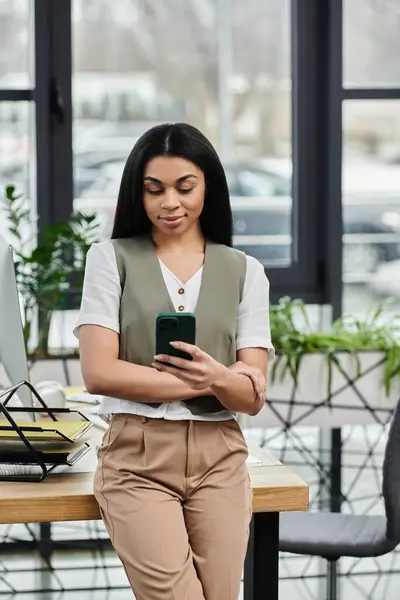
(253, 461)
(81, 395)
(46, 430)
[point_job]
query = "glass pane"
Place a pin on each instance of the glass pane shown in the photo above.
(17, 151)
(371, 43)
(15, 33)
(221, 65)
(371, 203)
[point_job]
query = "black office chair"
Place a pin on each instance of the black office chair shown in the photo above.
(333, 535)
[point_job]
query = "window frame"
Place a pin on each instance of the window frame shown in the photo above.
(307, 276)
(53, 97)
(315, 274)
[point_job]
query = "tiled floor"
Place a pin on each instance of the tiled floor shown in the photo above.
(351, 589)
(76, 570)
(301, 578)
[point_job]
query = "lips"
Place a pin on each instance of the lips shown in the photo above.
(175, 218)
(173, 222)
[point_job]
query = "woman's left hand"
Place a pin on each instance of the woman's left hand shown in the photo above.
(200, 373)
(257, 378)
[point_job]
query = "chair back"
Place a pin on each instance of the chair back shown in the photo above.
(391, 480)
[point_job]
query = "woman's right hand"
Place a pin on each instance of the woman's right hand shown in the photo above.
(257, 378)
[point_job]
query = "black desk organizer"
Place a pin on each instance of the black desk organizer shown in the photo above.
(34, 469)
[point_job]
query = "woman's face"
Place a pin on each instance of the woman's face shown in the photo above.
(173, 194)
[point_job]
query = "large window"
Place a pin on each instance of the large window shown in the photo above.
(17, 115)
(371, 153)
(250, 75)
(222, 65)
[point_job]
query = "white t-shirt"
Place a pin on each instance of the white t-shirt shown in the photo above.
(101, 303)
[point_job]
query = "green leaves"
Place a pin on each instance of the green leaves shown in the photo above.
(293, 338)
(49, 267)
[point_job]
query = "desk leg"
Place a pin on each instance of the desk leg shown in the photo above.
(261, 569)
(45, 547)
(45, 543)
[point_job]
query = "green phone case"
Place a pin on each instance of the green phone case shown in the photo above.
(175, 327)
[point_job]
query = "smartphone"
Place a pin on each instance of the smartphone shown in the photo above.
(175, 327)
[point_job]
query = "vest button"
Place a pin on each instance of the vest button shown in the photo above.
(181, 291)
(181, 308)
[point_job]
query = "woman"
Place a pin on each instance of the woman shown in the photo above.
(171, 481)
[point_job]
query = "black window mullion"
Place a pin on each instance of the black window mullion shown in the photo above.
(380, 93)
(53, 110)
(306, 276)
(16, 95)
(331, 145)
(62, 131)
(42, 22)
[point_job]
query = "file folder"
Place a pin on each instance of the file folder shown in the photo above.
(69, 431)
(44, 443)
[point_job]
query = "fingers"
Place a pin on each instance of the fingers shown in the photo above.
(195, 379)
(257, 385)
(181, 363)
(256, 378)
(169, 369)
(237, 367)
(189, 348)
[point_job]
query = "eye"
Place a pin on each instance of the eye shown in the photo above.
(185, 190)
(154, 192)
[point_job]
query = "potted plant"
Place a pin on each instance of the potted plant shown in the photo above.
(49, 267)
(349, 373)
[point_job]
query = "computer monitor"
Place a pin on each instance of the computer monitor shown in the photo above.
(12, 347)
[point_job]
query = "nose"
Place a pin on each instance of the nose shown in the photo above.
(170, 200)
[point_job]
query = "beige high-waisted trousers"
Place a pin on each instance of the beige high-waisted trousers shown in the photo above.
(176, 499)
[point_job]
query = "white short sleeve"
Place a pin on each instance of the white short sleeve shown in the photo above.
(101, 293)
(253, 327)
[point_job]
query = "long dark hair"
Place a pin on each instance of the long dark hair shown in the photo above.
(185, 141)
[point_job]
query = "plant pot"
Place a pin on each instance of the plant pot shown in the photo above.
(358, 395)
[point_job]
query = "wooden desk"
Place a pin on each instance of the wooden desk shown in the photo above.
(69, 497)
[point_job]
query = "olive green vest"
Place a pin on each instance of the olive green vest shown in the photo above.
(144, 295)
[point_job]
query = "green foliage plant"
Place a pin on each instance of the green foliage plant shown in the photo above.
(49, 266)
(293, 338)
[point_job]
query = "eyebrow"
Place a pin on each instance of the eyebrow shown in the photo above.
(179, 180)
